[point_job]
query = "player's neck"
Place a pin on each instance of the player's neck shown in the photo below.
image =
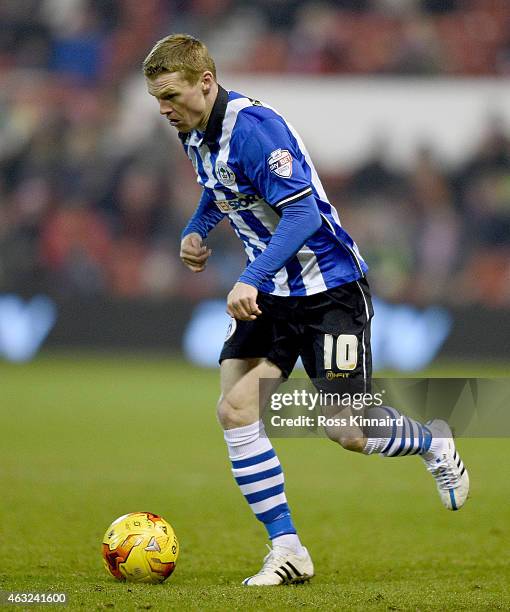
(209, 101)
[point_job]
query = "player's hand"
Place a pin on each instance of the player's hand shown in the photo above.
(194, 254)
(242, 302)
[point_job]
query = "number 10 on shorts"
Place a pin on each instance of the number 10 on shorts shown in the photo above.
(346, 355)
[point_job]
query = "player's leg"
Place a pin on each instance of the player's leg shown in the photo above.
(255, 465)
(242, 392)
(346, 352)
(336, 354)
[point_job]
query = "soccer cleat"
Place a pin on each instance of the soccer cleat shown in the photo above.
(282, 566)
(446, 467)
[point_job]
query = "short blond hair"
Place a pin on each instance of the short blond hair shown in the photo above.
(179, 53)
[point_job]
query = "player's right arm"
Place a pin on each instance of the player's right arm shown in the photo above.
(194, 253)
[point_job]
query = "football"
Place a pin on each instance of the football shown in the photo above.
(140, 547)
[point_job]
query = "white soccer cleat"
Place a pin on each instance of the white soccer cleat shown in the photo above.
(446, 467)
(282, 566)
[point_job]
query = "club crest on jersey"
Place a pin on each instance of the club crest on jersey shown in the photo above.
(280, 162)
(224, 174)
(231, 329)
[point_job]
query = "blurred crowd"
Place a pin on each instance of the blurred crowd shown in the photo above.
(89, 201)
(101, 40)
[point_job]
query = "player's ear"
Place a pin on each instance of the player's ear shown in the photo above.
(207, 82)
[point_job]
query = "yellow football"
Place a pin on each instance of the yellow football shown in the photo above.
(140, 547)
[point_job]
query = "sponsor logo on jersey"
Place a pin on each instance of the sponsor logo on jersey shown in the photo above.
(224, 174)
(243, 201)
(330, 375)
(223, 205)
(280, 163)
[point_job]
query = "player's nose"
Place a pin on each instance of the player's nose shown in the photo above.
(165, 107)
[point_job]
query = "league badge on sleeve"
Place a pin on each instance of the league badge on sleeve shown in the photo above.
(280, 162)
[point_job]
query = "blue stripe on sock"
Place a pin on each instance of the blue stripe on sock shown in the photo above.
(242, 480)
(402, 438)
(417, 450)
(241, 463)
(252, 498)
(280, 526)
(420, 441)
(393, 431)
(411, 437)
(427, 434)
(274, 513)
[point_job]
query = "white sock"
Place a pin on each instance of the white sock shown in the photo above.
(375, 445)
(289, 540)
(247, 440)
(257, 471)
(409, 437)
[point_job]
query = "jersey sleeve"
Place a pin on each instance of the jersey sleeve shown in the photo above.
(274, 164)
(299, 221)
(205, 218)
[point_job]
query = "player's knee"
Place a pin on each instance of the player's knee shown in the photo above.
(229, 415)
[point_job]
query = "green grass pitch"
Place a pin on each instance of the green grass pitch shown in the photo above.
(86, 439)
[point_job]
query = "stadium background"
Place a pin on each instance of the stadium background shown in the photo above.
(404, 103)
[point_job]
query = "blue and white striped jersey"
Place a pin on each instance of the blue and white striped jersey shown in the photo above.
(251, 164)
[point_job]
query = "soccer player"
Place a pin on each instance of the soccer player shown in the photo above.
(303, 291)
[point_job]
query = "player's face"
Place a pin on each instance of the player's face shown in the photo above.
(184, 105)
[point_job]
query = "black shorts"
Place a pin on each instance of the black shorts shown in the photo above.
(330, 331)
